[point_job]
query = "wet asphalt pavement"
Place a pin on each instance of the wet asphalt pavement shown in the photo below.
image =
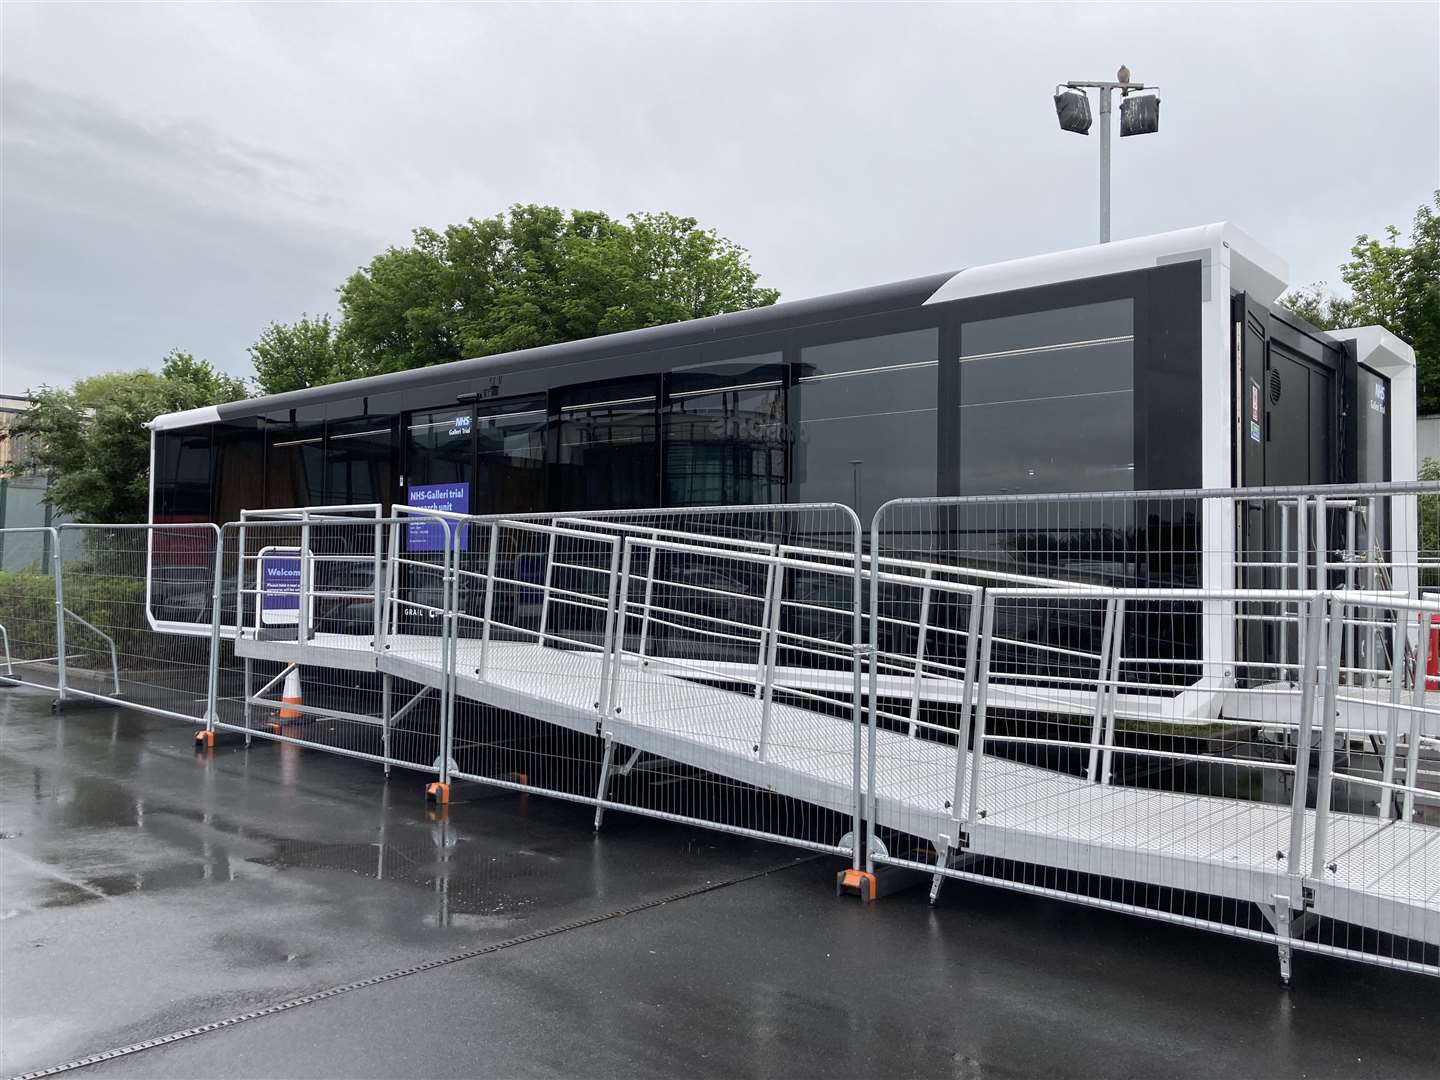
(146, 890)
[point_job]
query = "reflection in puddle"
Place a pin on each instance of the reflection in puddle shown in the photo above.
(476, 886)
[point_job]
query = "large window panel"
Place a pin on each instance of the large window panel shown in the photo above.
(725, 433)
(1047, 401)
(510, 462)
(440, 446)
(182, 476)
(867, 411)
(294, 464)
(358, 461)
(606, 454)
(239, 470)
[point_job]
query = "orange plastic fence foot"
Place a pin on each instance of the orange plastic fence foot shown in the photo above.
(858, 882)
(438, 793)
(204, 740)
(520, 778)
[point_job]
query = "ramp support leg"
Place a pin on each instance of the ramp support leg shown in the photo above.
(1286, 920)
(249, 705)
(385, 689)
(942, 859)
(604, 780)
(935, 883)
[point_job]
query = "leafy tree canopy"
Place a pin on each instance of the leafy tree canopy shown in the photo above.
(1394, 285)
(92, 441)
(533, 276)
(308, 352)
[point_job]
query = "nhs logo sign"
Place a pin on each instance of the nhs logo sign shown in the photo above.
(461, 426)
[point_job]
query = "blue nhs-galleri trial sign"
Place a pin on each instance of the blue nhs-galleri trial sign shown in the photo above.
(429, 535)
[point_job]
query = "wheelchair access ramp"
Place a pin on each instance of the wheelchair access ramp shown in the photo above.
(726, 654)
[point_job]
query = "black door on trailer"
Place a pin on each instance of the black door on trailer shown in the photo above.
(1285, 420)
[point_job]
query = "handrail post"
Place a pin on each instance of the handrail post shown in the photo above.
(609, 654)
(240, 584)
(1312, 622)
(302, 617)
(1372, 559)
(387, 596)
(1102, 669)
(924, 627)
(654, 554)
(1302, 558)
(1398, 638)
(57, 568)
(376, 616)
(1117, 653)
(489, 597)
(972, 644)
(545, 589)
(1349, 625)
(762, 650)
(977, 755)
(1284, 508)
(1323, 777)
(1417, 695)
(771, 638)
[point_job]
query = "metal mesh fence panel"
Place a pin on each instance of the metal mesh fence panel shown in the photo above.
(29, 648)
(122, 585)
(1147, 726)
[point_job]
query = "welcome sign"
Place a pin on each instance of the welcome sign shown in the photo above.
(279, 590)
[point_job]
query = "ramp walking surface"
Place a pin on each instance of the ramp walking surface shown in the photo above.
(146, 890)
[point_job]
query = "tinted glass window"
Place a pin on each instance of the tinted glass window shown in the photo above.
(510, 444)
(358, 461)
(440, 446)
(1047, 401)
(867, 412)
(725, 433)
(606, 452)
(182, 476)
(239, 470)
(294, 465)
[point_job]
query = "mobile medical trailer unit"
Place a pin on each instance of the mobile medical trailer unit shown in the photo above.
(1156, 363)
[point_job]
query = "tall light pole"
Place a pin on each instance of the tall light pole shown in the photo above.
(1139, 115)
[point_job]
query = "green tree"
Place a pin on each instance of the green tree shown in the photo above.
(91, 439)
(1394, 285)
(308, 352)
(535, 276)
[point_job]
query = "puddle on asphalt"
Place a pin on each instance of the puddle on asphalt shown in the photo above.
(474, 883)
(110, 886)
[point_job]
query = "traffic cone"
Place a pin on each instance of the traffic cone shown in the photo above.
(291, 696)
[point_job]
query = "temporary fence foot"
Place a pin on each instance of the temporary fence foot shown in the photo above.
(438, 793)
(858, 882)
(1285, 956)
(204, 739)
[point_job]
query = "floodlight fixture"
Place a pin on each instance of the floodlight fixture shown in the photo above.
(1139, 115)
(1073, 109)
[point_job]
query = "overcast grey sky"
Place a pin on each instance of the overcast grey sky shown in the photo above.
(178, 175)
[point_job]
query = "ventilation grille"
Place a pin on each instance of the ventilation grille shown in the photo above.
(1274, 388)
